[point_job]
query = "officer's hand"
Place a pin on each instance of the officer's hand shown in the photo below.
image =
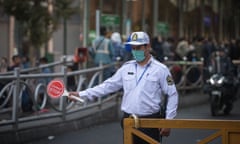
(165, 132)
(73, 94)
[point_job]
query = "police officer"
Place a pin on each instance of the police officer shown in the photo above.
(143, 80)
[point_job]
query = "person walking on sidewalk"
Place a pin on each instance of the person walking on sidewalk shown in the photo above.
(143, 81)
(103, 52)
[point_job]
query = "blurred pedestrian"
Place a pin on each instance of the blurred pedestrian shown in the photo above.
(26, 98)
(3, 69)
(26, 62)
(167, 46)
(103, 52)
(234, 49)
(71, 81)
(16, 62)
(118, 46)
(128, 51)
(207, 48)
(46, 70)
(3, 65)
(157, 46)
(182, 48)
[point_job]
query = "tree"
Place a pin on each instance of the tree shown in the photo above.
(36, 22)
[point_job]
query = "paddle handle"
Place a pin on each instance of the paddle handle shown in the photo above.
(66, 93)
(77, 98)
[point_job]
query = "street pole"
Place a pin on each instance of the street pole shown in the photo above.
(220, 37)
(202, 19)
(97, 23)
(180, 18)
(11, 36)
(85, 22)
(155, 17)
(124, 16)
(143, 15)
(64, 36)
(50, 41)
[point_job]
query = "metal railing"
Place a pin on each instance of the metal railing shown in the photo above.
(186, 74)
(190, 75)
(25, 82)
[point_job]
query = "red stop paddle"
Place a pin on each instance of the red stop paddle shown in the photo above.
(56, 89)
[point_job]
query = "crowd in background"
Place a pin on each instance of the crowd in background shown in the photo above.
(163, 48)
(110, 47)
(18, 61)
(23, 62)
(195, 49)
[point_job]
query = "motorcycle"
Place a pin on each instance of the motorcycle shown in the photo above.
(218, 90)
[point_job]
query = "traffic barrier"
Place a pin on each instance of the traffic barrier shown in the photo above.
(228, 130)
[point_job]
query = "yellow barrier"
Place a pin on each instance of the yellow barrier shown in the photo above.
(229, 130)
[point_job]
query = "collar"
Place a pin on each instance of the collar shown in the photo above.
(148, 63)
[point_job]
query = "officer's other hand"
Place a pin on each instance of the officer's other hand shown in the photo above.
(165, 132)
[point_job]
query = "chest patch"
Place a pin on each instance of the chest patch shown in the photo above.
(130, 73)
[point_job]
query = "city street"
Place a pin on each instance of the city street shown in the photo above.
(111, 133)
(83, 42)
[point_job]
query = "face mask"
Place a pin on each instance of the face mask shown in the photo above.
(138, 55)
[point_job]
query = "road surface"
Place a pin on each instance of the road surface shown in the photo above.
(111, 133)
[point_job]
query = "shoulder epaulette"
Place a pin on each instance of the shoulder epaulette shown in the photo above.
(129, 62)
(159, 63)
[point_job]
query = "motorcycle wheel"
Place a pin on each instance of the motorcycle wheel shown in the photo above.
(228, 108)
(215, 104)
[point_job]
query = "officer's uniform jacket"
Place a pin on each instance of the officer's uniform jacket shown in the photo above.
(142, 87)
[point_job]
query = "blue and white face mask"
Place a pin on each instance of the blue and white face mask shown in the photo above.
(138, 55)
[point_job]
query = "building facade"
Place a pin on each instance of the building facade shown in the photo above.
(169, 18)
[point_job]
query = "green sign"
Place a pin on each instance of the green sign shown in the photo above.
(91, 36)
(110, 20)
(163, 28)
